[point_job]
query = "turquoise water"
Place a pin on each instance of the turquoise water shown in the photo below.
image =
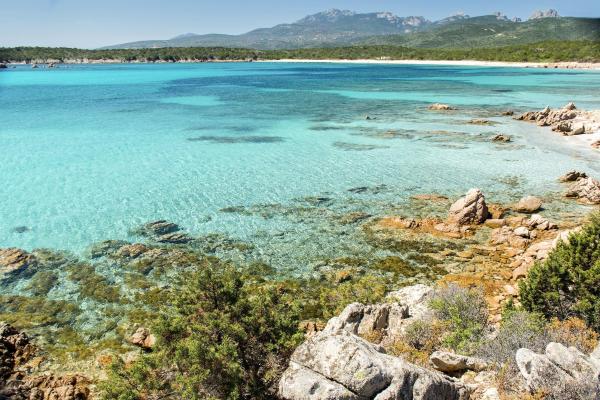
(91, 152)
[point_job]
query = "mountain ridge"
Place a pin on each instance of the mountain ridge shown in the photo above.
(336, 27)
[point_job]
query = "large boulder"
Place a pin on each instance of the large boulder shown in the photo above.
(563, 372)
(470, 209)
(340, 365)
(528, 204)
(389, 320)
(586, 190)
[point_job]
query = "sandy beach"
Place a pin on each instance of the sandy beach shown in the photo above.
(474, 63)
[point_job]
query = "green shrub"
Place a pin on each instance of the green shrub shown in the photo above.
(219, 337)
(465, 313)
(567, 284)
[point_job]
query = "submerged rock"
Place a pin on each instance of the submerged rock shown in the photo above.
(15, 260)
(158, 228)
(470, 209)
(106, 248)
(175, 238)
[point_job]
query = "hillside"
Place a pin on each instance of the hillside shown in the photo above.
(489, 31)
(336, 28)
(324, 28)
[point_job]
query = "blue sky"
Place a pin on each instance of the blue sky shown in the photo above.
(95, 23)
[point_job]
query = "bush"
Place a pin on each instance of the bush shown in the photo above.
(465, 313)
(567, 284)
(220, 337)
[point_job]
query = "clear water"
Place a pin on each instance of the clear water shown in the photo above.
(88, 153)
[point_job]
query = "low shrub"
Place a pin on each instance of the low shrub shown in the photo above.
(465, 313)
(567, 284)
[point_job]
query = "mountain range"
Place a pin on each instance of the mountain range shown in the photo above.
(342, 27)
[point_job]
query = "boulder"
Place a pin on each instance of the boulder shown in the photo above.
(522, 232)
(451, 362)
(13, 260)
(570, 106)
(596, 144)
(440, 107)
(572, 176)
(3, 66)
(561, 371)
(143, 338)
(340, 365)
(586, 190)
(528, 204)
(501, 138)
(388, 319)
(470, 209)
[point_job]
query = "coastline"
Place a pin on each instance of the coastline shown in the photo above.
(464, 63)
(458, 63)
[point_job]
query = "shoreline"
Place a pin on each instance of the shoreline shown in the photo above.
(462, 63)
(465, 63)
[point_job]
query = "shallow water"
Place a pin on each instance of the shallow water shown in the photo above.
(91, 152)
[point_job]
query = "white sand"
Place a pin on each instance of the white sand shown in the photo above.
(475, 63)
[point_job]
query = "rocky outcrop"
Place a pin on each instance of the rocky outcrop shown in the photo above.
(440, 107)
(451, 362)
(501, 138)
(340, 365)
(143, 338)
(528, 204)
(572, 176)
(388, 320)
(567, 120)
(586, 190)
(539, 14)
(564, 372)
(15, 260)
(469, 210)
(16, 350)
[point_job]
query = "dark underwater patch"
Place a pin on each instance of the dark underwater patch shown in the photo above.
(240, 139)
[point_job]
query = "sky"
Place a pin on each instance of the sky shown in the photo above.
(96, 23)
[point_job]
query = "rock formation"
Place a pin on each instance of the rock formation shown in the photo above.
(440, 107)
(567, 120)
(340, 365)
(528, 204)
(565, 372)
(18, 383)
(470, 209)
(586, 190)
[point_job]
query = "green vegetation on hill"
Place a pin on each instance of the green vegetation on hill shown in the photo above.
(488, 31)
(550, 51)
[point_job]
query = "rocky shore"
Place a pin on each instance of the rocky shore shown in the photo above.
(568, 121)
